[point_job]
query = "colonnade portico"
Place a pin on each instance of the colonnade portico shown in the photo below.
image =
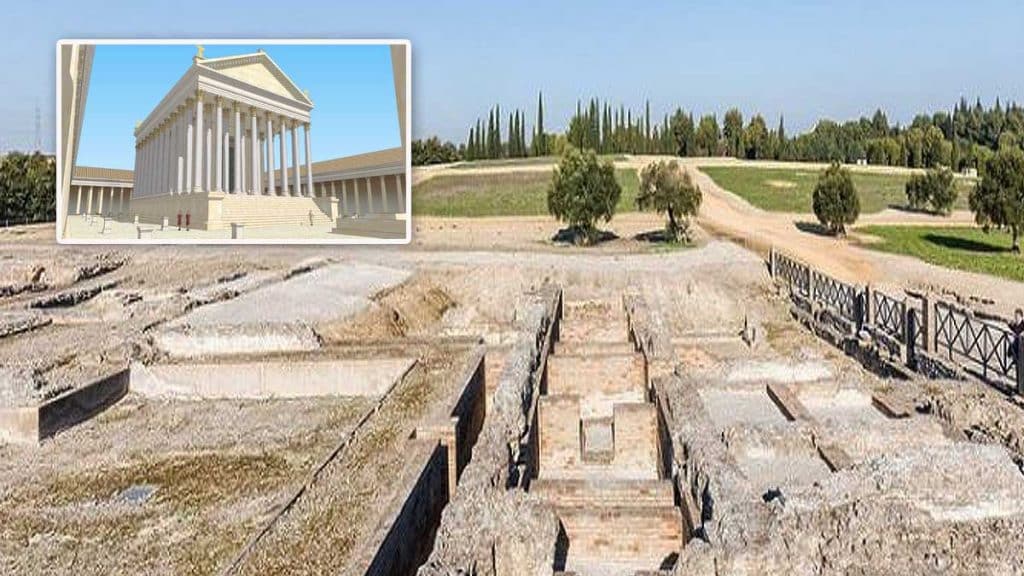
(219, 137)
(234, 155)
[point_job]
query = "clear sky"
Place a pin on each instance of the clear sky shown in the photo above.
(351, 86)
(805, 59)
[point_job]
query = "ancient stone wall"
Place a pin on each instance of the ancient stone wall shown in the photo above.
(492, 526)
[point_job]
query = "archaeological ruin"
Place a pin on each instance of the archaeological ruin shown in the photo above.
(399, 412)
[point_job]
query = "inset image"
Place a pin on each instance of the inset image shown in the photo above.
(247, 141)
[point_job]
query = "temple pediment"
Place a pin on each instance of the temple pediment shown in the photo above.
(258, 70)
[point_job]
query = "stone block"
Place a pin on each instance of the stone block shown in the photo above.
(559, 434)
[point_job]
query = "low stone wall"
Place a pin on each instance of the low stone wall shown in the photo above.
(706, 477)
(493, 526)
(404, 535)
(273, 377)
(33, 423)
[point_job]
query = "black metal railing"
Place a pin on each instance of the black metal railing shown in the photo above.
(919, 323)
(987, 347)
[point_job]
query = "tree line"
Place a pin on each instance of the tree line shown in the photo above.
(965, 137)
(27, 188)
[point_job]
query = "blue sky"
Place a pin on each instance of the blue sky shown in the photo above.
(351, 86)
(805, 59)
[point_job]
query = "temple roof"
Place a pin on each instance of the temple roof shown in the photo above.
(96, 173)
(258, 69)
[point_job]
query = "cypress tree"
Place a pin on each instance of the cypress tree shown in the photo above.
(647, 126)
(540, 140)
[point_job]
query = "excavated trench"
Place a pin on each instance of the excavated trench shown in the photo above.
(600, 460)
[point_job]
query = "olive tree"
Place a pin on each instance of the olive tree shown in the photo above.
(934, 188)
(666, 188)
(583, 191)
(998, 199)
(836, 203)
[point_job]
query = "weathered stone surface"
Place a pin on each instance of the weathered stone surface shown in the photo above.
(492, 527)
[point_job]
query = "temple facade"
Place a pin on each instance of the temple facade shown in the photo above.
(229, 143)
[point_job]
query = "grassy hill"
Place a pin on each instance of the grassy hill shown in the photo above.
(522, 193)
(791, 189)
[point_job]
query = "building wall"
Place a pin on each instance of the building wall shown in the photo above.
(217, 211)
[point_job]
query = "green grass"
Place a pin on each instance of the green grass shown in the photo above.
(963, 248)
(532, 160)
(501, 194)
(791, 189)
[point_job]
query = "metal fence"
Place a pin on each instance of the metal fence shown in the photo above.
(987, 347)
(918, 323)
(839, 296)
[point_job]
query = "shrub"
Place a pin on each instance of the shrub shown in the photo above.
(664, 187)
(934, 188)
(583, 190)
(943, 190)
(998, 199)
(836, 203)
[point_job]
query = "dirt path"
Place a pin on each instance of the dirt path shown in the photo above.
(726, 214)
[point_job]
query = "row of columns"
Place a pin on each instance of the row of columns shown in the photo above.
(361, 187)
(89, 193)
(185, 154)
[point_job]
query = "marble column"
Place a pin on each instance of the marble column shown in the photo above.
(243, 148)
(198, 166)
(158, 149)
(296, 179)
(359, 203)
(179, 155)
(225, 164)
(78, 204)
(219, 161)
(254, 135)
(237, 185)
(369, 196)
(189, 137)
(208, 152)
(284, 163)
(401, 193)
(309, 160)
(344, 197)
(270, 156)
(384, 193)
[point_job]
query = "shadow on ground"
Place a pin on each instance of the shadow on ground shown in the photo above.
(575, 237)
(955, 243)
(813, 228)
(912, 210)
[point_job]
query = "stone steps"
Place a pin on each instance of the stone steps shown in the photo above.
(605, 492)
(607, 374)
(584, 348)
(595, 330)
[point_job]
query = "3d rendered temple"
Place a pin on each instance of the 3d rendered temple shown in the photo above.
(223, 147)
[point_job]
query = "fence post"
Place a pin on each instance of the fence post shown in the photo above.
(1019, 346)
(909, 328)
(810, 292)
(867, 312)
(928, 323)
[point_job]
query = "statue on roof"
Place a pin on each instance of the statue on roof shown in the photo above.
(199, 53)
